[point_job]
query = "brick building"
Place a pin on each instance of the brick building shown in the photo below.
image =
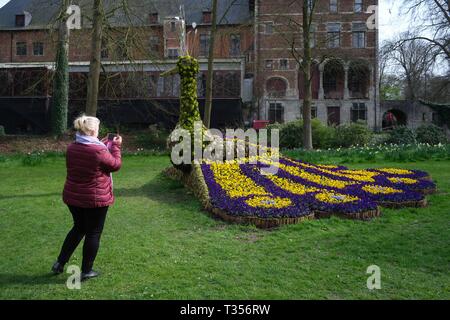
(253, 68)
(344, 78)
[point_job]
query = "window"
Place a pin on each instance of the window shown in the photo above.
(269, 64)
(172, 53)
(207, 17)
(359, 112)
(154, 44)
(172, 26)
(276, 113)
(269, 27)
(311, 5)
(20, 20)
(424, 117)
(313, 112)
(21, 48)
(435, 118)
(201, 88)
(204, 44)
(122, 50)
(333, 35)
(333, 6)
(312, 36)
(235, 45)
(232, 87)
(152, 82)
(329, 83)
(359, 35)
(284, 64)
(104, 52)
(153, 18)
(38, 49)
(358, 6)
(168, 86)
(276, 87)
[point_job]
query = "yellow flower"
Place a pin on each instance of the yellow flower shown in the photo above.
(324, 181)
(396, 171)
(374, 189)
(403, 180)
(293, 187)
(331, 197)
(357, 175)
(230, 177)
(269, 202)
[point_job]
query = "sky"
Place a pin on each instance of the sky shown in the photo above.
(391, 22)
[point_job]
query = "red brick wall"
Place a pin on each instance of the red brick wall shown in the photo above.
(286, 16)
(80, 43)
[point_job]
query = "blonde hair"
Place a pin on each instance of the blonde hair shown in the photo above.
(86, 125)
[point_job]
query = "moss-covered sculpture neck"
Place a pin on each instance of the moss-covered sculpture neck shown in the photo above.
(188, 68)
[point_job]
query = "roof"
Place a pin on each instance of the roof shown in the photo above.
(44, 12)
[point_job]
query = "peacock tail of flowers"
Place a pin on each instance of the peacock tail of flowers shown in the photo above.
(299, 189)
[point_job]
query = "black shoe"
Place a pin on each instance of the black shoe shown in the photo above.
(57, 268)
(89, 275)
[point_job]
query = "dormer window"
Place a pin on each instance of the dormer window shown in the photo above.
(153, 18)
(20, 20)
(207, 16)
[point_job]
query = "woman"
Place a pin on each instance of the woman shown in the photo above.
(88, 191)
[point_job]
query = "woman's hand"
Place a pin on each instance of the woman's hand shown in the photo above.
(118, 140)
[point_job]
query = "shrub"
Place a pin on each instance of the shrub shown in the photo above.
(379, 139)
(402, 135)
(431, 134)
(153, 138)
(352, 134)
(291, 134)
(322, 135)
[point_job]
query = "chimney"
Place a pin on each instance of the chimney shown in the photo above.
(207, 16)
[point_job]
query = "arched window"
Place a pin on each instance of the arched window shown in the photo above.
(358, 79)
(333, 80)
(276, 87)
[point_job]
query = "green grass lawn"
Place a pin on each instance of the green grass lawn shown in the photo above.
(158, 244)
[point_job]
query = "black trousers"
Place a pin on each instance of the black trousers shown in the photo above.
(88, 224)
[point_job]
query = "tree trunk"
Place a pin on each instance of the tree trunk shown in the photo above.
(61, 80)
(210, 75)
(95, 64)
(306, 68)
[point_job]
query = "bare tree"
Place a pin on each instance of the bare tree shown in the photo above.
(301, 51)
(431, 23)
(415, 58)
(61, 77)
(209, 77)
(95, 65)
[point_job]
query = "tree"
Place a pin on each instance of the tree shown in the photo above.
(391, 87)
(416, 59)
(95, 64)
(61, 77)
(304, 58)
(431, 24)
(210, 75)
(308, 10)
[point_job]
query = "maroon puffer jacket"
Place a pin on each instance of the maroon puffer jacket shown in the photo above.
(88, 182)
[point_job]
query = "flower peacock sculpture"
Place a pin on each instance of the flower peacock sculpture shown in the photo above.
(237, 191)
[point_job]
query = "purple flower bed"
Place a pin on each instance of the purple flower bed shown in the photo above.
(329, 189)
